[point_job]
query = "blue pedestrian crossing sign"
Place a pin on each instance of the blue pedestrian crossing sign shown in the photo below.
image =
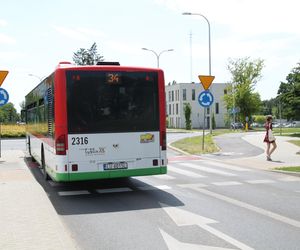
(3, 96)
(205, 99)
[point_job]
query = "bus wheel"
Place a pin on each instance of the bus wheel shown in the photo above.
(45, 175)
(29, 150)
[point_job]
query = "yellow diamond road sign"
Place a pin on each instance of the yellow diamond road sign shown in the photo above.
(3, 74)
(206, 81)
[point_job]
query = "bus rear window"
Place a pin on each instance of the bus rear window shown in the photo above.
(104, 102)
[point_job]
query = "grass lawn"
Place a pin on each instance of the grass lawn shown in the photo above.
(193, 145)
(290, 169)
(296, 142)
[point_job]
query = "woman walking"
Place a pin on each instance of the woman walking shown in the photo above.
(269, 138)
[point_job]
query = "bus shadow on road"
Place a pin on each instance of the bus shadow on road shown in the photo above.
(103, 196)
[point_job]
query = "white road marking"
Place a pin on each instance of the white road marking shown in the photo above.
(186, 218)
(206, 169)
(113, 190)
(226, 166)
(192, 185)
(227, 183)
(175, 244)
(149, 188)
(164, 177)
(69, 193)
(289, 179)
(184, 172)
(245, 205)
(260, 181)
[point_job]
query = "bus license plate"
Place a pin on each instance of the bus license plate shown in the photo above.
(115, 165)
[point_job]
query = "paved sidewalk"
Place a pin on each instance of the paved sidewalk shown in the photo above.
(27, 217)
(285, 154)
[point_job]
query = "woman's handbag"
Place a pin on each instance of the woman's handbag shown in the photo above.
(271, 137)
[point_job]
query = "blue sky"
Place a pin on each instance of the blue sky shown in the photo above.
(36, 35)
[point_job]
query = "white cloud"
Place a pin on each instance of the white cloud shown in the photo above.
(5, 39)
(3, 23)
(79, 34)
(244, 16)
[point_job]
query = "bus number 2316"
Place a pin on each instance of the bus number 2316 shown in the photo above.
(80, 140)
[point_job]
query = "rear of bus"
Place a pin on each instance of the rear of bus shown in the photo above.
(115, 122)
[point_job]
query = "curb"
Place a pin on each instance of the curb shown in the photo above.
(297, 174)
(178, 150)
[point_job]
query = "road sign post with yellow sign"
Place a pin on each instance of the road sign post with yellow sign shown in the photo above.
(206, 81)
(3, 74)
(205, 99)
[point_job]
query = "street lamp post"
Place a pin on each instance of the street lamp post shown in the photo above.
(209, 57)
(40, 78)
(158, 54)
(209, 43)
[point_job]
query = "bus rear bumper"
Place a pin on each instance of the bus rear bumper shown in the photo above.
(77, 176)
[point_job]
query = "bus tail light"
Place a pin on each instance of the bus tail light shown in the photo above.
(60, 145)
(163, 140)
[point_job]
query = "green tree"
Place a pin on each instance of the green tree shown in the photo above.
(187, 114)
(87, 56)
(8, 113)
(240, 91)
(289, 95)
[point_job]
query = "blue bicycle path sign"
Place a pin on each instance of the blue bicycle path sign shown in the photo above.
(3, 96)
(205, 99)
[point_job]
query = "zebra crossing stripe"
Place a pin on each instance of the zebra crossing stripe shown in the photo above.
(227, 183)
(260, 181)
(164, 177)
(206, 169)
(289, 179)
(226, 166)
(70, 193)
(184, 172)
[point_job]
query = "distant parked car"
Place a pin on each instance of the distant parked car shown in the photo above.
(275, 125)
(255, 125)
(288, 125)
(237, 125)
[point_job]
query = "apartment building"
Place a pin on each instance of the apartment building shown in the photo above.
(177, 94)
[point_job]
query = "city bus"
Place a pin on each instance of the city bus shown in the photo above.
(97, 122)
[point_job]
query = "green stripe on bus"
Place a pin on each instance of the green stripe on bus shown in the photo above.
(107, 174)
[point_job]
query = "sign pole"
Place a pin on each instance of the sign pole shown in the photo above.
(0, 138)
(203, 134)
(205, 100)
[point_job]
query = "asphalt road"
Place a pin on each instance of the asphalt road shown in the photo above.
(233, 146)
(200, 204)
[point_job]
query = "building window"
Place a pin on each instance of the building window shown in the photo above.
(217, 108)
(170, 109)
(193, 94)
(176, 108)
(184, 94)
(208, 111)
(172, 96)
(169, 96)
